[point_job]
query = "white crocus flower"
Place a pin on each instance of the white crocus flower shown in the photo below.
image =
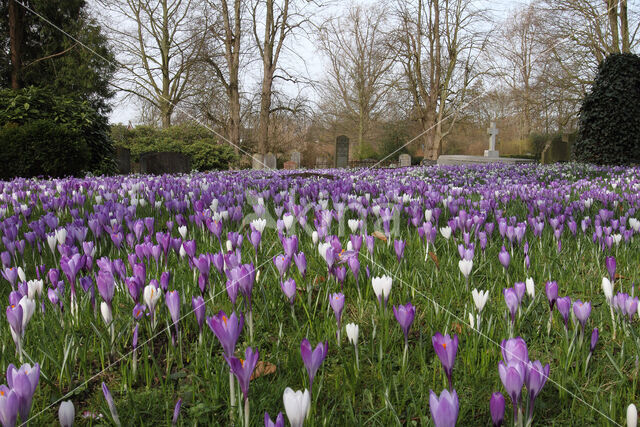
(465, 266)
(107, 316)
(446, 232)
(480, 298)
(296, 405)
(531, 290)
(34, 287)
(21, 275)
(352, 333)
(632, 416)
(183, 231)
(607, 288)
(353, 224)
(28, 308)
(382, 287)
(259, 224)
(288, 221)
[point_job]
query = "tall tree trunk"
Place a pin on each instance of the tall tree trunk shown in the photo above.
(16, 35)
(612, 12)
(624, 27)
(265, 110)
(267, 80)
(232, 44)
(166, 106)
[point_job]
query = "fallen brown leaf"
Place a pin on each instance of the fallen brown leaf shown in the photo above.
(434, 257)
(379, 235)
(262, 369)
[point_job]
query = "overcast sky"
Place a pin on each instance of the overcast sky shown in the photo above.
(123, 111)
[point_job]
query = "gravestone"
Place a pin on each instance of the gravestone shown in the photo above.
(321, 163)
(404, 160)
(493, 132)
(164, 162)
(557, 150)
(342, 152)
(123, 157)
(289, 165)
(257, 161)
(296, 157)
(270, 161)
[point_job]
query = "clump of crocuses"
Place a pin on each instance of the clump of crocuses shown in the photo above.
(517, 370)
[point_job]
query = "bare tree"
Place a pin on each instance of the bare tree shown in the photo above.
(360, 64)
(438, 44)
(278, 21)
(156, 44)
(222, 53)
(522, 53)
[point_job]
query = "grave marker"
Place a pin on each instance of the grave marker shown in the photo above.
(342, 152)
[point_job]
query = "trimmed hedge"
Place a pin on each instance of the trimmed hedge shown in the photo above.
(194, 140)
(610, 114)
(42, 148)
(86, 131)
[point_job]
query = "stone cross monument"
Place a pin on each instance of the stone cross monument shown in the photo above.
(493, 132)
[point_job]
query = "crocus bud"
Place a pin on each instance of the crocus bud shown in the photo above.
(66, 414)
(632, 416)
(296, 405)
(111, 404)
(594, 340)
(496, 407)
(107, 316)
(352, 333)
(176, 412)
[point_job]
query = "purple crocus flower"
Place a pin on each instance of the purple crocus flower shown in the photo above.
(564, 307)
(232, 287)
(610, 263)
(582, 311)
(278, 423)
(9, 403)
(336, 301)
(594, 339)
(520, 288)
(197, 304)
(514, 350)
(535, 378)
(551, 289)
(106, 286)
(505, 258)
(172, 300)
(313, 359)
(398, 246)
(405, 315)
(446, 349)
(110, 403)
(512, 301)
(512, 376)
(227, 330)
(289, 289)
(496, 407)
(176, 412)
(134, 339)
(444, 409)
(301, 262)
(243, 369)
(24, 382)
(14, 317)
(282, 264)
